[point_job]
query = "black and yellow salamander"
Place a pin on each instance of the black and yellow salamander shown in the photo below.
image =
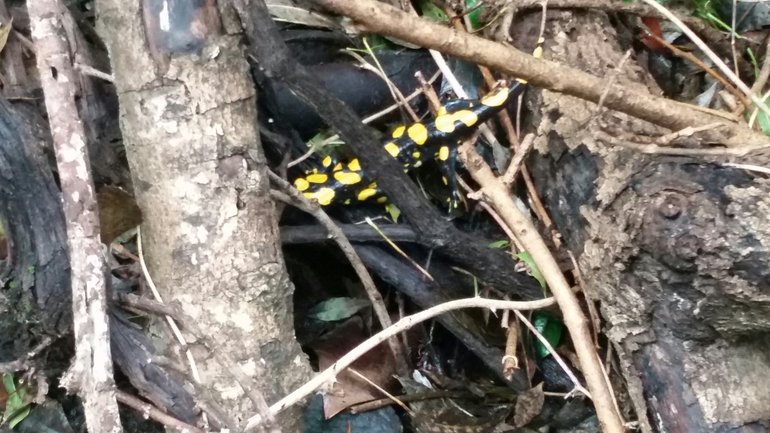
(346, 183)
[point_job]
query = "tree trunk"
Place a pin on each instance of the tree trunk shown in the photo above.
(210, 232)
(675, 249)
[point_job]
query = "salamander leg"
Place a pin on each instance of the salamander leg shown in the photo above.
(447, 159)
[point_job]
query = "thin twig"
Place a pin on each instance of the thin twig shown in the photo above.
(399, 250)
(149, 411)
(510, 361)
(90, 70)
(614, 76)
(764, 73)
(171, 323)
(654, 149)
(755, 111)
(518, 159)
(382, 390)
(748, 167)
(377, 70)
(732, 38)
(24, 362)
(427, 395)
(595, 320)
(402, 325)
(479, 196)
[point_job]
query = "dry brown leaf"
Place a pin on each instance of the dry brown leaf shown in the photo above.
(377, 365)
(528, 405)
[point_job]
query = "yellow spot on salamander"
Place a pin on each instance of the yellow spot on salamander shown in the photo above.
(323, 195)
(416, 155)
(327, 161)
(382, 200)
(392, 149)
(337, 167)
(354, 165)
(347, 177)
(446, 182)
(301, 184)
(417, 164)
(418, 132)
(538, 53)
(467, 117)
(441, 111)
(317, 178)
(365, 194)
(398, 132)
(443, 153)
(496, 98)
(446, 123)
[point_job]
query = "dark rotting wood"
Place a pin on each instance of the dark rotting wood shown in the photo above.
(354, 232)
(36, 279)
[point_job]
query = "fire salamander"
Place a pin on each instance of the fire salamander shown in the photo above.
(345, 183)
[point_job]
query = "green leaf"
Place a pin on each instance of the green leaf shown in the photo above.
(19, 416)
(432, 12)
(393, 211)
(527, 258)
(500, 244)
(764, 122)
(336, 309)
(15, 407)
(31, 269)
(550, 327)
(475, 15)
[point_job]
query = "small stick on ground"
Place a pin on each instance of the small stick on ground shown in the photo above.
(654, 149)
(510, 361)
(24, 363)
(518, 160)
(91, 373)
(149, 411)
(422, 396)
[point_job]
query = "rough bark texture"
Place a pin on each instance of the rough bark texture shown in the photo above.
(37, 275)
(673, 248)
(91, 374)
(210, 233)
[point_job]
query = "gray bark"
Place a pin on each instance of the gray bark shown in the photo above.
(210, 234)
